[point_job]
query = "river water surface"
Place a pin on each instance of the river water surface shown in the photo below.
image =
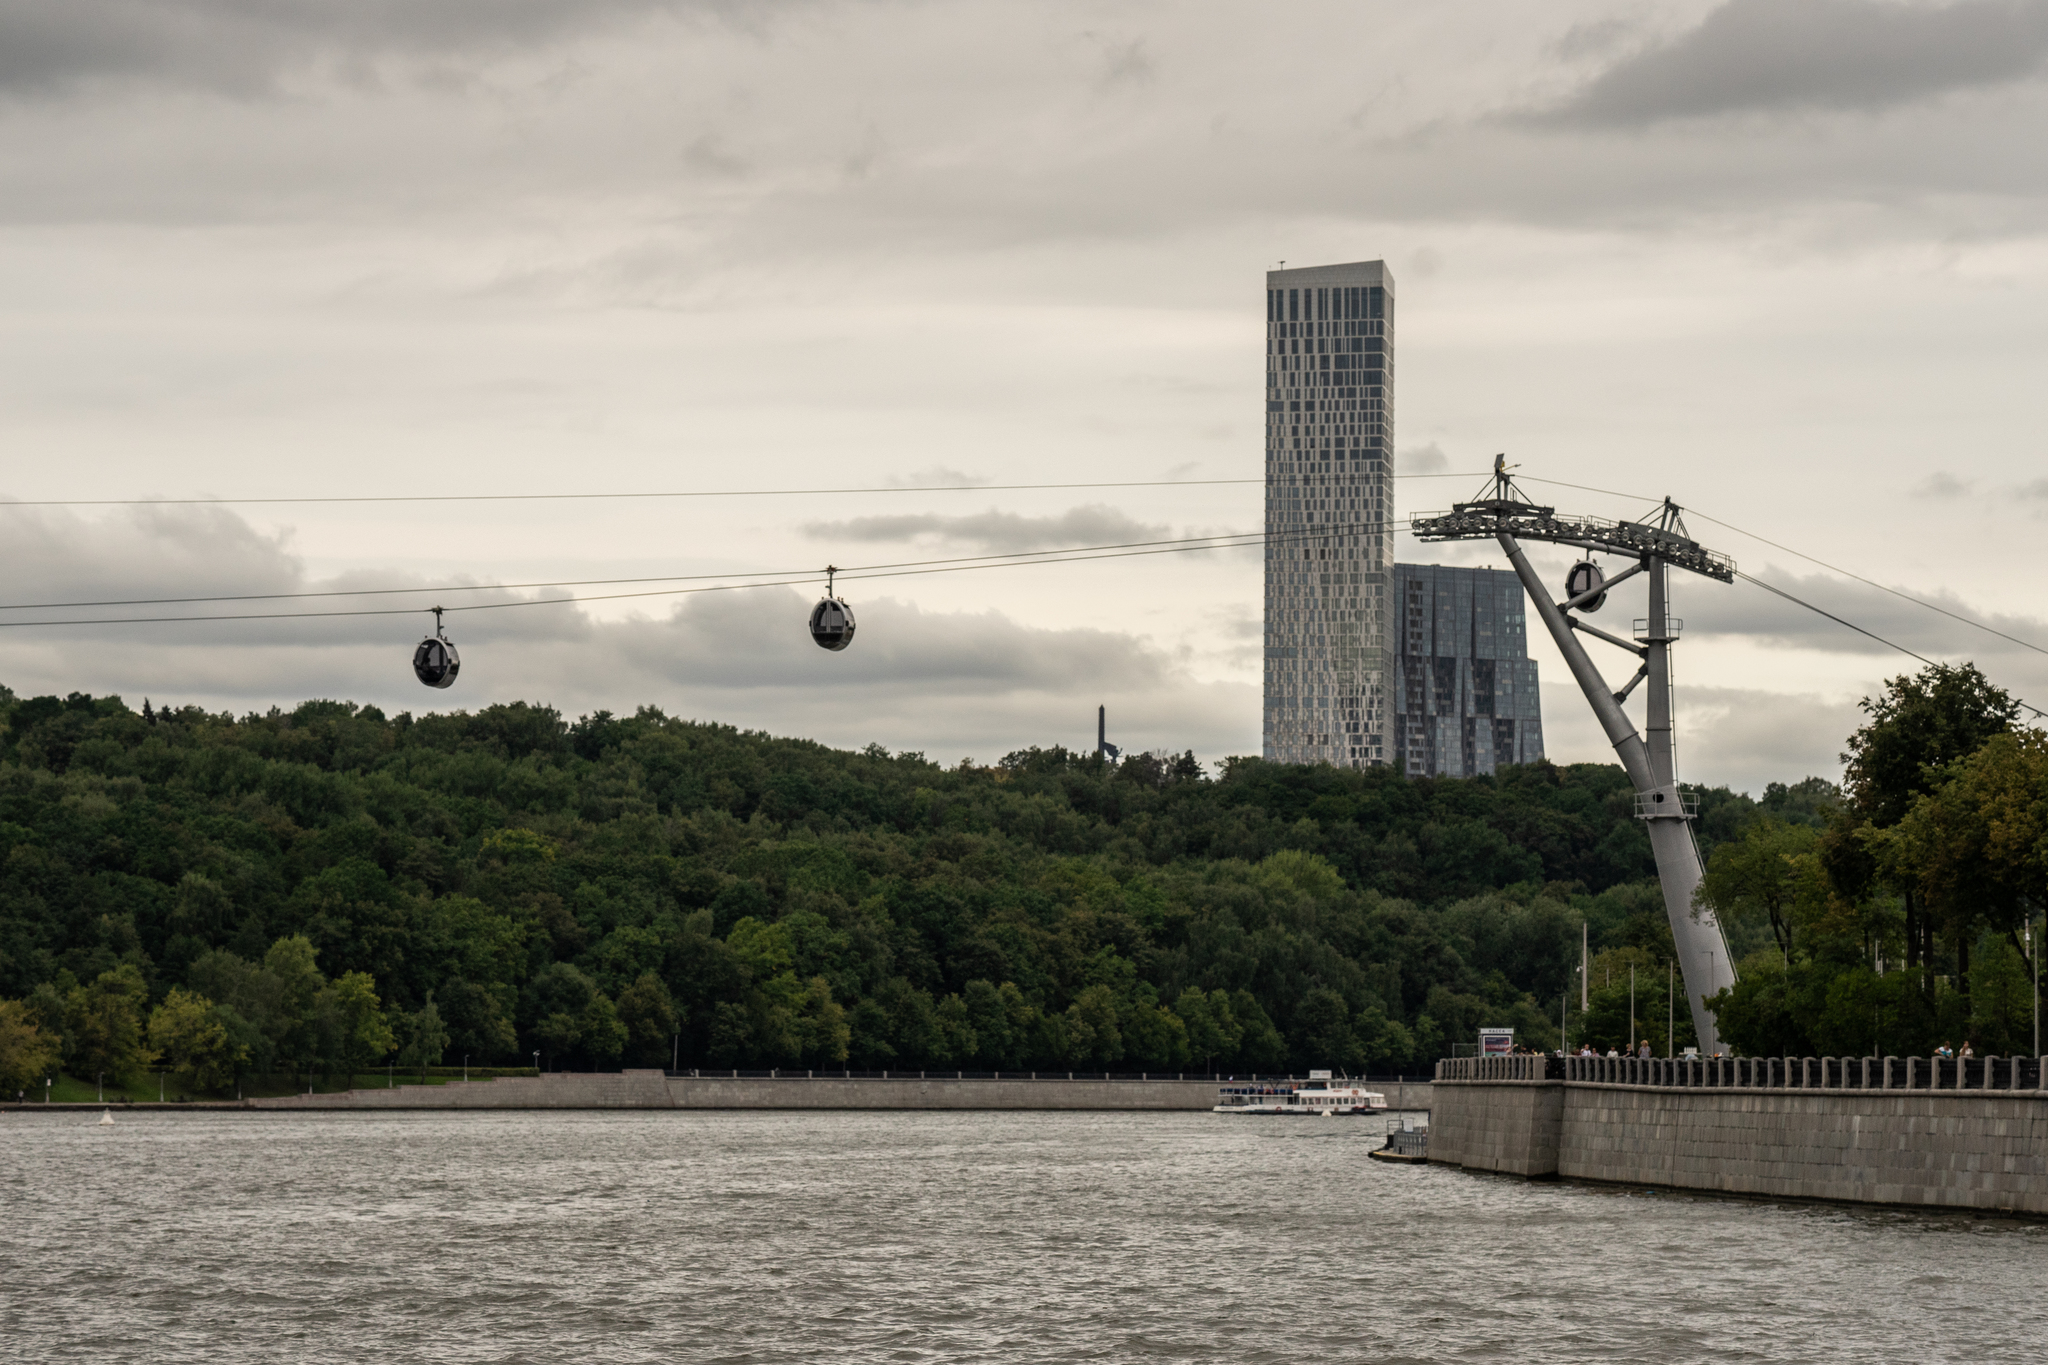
(680, 1236)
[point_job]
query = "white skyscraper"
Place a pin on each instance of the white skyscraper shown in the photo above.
(1329, 509)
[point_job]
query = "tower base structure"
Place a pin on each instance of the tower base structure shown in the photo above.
(1655, 544)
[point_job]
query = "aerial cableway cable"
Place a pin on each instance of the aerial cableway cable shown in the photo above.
(1310, 532)
(1831, 568)
(1821, 611)
(1080, 554)
(778, 578)
(649, 494)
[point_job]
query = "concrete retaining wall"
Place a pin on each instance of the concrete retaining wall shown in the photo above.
(654, 1090)
(1943, 1149)
(1509, 1126)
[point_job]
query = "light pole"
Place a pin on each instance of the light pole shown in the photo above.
(1670, 1013)
(1710, 991)
(675, 1059)
(465, 1068)
(536, 1061)
(2035, 954)
(1631, 1009)
(101, 1082)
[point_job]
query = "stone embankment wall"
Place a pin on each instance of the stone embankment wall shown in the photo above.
(1980, 1147)
(656, 1090)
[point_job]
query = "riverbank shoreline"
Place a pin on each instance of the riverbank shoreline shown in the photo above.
(661, 1090)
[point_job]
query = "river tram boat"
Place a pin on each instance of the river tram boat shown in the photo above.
(1318, 1095)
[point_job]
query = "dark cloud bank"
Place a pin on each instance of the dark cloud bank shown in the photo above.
(1770, 55)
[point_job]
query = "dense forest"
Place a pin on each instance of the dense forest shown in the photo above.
(330, 889)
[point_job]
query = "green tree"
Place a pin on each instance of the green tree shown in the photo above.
(1918, 726)
(105, 1023)
(358, 1034)
(291, 1013)
(1322, 1031)
(27, 1055)
(1262, 1047)
(823, 1033)
(1771, 875)
(1155, 1037)
(988, 1014)
(1974, 848)
(1092, 1032)
(1212, 1028)
(649, 1013)
(195, 1042)
(424, 1035)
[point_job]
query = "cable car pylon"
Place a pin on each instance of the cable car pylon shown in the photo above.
(435, 662)
(1655, 542)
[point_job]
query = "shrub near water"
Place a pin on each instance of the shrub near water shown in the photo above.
(329, 889)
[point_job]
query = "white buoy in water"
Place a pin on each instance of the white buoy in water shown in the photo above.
(106, 1118)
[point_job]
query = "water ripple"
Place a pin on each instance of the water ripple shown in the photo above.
(769, 1237)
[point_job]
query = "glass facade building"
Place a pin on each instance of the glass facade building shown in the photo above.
(1464, 686)
(1329, 509)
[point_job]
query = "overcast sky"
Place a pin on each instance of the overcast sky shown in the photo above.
(1780, 259)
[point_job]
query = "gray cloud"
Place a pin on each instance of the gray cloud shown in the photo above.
(948, 683)
(139, 561)
(234, 46)
(1746, 610)
(1941, 484)
(996, 531)
(1429, 459)
(938, 475)
(1745, 738)
(1766, 55)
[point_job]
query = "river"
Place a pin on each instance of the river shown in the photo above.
(726, 1236)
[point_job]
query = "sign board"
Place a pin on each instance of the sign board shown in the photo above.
(1319, 1075)
(1496, 1042)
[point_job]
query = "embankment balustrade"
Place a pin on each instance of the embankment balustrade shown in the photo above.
(1760, 1073)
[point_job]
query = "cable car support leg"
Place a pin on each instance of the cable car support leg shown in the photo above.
(1702, 952)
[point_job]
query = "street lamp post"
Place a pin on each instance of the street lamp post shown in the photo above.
(536, 1061)
(675, 1059)
(465, 1068)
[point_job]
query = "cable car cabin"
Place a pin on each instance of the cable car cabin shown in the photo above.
(832, 623)
(435, 662)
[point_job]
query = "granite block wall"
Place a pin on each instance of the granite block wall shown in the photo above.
(1510, 1126)
(1947, 1149)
